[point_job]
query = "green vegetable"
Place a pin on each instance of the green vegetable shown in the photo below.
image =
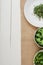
(38, 60)
(38, 10)
(39, 37)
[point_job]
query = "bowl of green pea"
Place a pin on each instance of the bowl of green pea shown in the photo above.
(39, 37)
(38, 58)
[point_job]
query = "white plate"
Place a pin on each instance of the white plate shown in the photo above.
(29, 14)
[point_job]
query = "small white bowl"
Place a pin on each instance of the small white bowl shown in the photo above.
(35, 40)
(36, 55)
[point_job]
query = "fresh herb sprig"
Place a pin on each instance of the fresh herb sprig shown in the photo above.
(38, 10)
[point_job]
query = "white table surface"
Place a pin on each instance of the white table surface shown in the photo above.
(10, 56)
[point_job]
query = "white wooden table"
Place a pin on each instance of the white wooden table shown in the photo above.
(10, 52)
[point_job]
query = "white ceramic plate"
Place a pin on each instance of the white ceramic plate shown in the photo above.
(29, 14)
